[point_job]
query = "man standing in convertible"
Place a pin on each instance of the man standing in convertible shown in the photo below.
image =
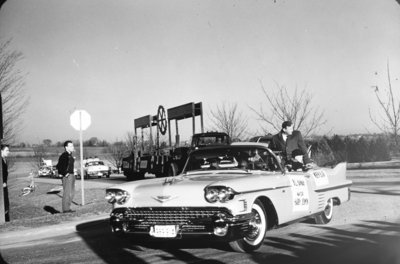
(290, 142)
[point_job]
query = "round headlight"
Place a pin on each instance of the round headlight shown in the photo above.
(110, 197)
(121, 197)
(219, 193)
(117, 196)
(211, 195)
(223, 195)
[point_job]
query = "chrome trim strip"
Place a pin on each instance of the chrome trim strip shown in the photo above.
(266, 189)
(334, 187)
(182, 233)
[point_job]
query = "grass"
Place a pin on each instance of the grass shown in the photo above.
(42, 208)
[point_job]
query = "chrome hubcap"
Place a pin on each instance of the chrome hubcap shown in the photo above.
(255, 226)
(328, 209)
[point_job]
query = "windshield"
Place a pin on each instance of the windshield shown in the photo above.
(232, 158)
(94, 163)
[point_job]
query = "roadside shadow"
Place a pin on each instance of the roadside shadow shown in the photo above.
(2, 260)
(55, 190)
(367, 242)
(60, 196)
(112, 249)
(371, 242)
(97, 235)
(50, 209)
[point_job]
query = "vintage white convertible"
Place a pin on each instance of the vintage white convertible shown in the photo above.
(235, 193)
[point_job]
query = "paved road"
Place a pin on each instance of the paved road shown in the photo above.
(365, 230)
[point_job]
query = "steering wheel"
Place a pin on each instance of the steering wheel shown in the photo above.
(161, 120)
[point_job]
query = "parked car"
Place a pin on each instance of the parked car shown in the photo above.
(234, 192)
(46, 168)
(96, 168)
(46, 171)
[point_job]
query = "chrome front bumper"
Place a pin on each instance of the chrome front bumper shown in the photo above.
(211, 221)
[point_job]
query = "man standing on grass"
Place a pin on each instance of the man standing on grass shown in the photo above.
(5, 150)
(65, 167)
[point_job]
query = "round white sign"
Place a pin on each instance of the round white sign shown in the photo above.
(80, 120)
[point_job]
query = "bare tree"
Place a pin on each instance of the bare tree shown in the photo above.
(134, 142)
(389, 116)
(39, 154)
(47, 142)
(116, 152)
(12, 90)
(297, 107)
(130, 141)
(228, 119)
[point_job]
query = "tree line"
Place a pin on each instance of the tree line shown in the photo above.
(92, 142)
(331, 150)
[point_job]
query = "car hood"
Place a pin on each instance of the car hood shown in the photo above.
(188, 190)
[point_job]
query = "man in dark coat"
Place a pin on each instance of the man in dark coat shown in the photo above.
(65, 167)
(5, 150)
(290, 142)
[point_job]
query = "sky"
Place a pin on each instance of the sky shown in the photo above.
(120, 60)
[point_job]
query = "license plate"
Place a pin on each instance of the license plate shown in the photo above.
(164, 231)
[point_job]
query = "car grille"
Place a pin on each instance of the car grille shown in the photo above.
(189, 219)
(173, 215)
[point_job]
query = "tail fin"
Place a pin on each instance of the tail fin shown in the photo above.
(340, 170)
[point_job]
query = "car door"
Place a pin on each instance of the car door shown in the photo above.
(300, 188)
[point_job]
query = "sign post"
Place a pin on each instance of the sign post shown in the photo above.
(80, 120)
(2, 207)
